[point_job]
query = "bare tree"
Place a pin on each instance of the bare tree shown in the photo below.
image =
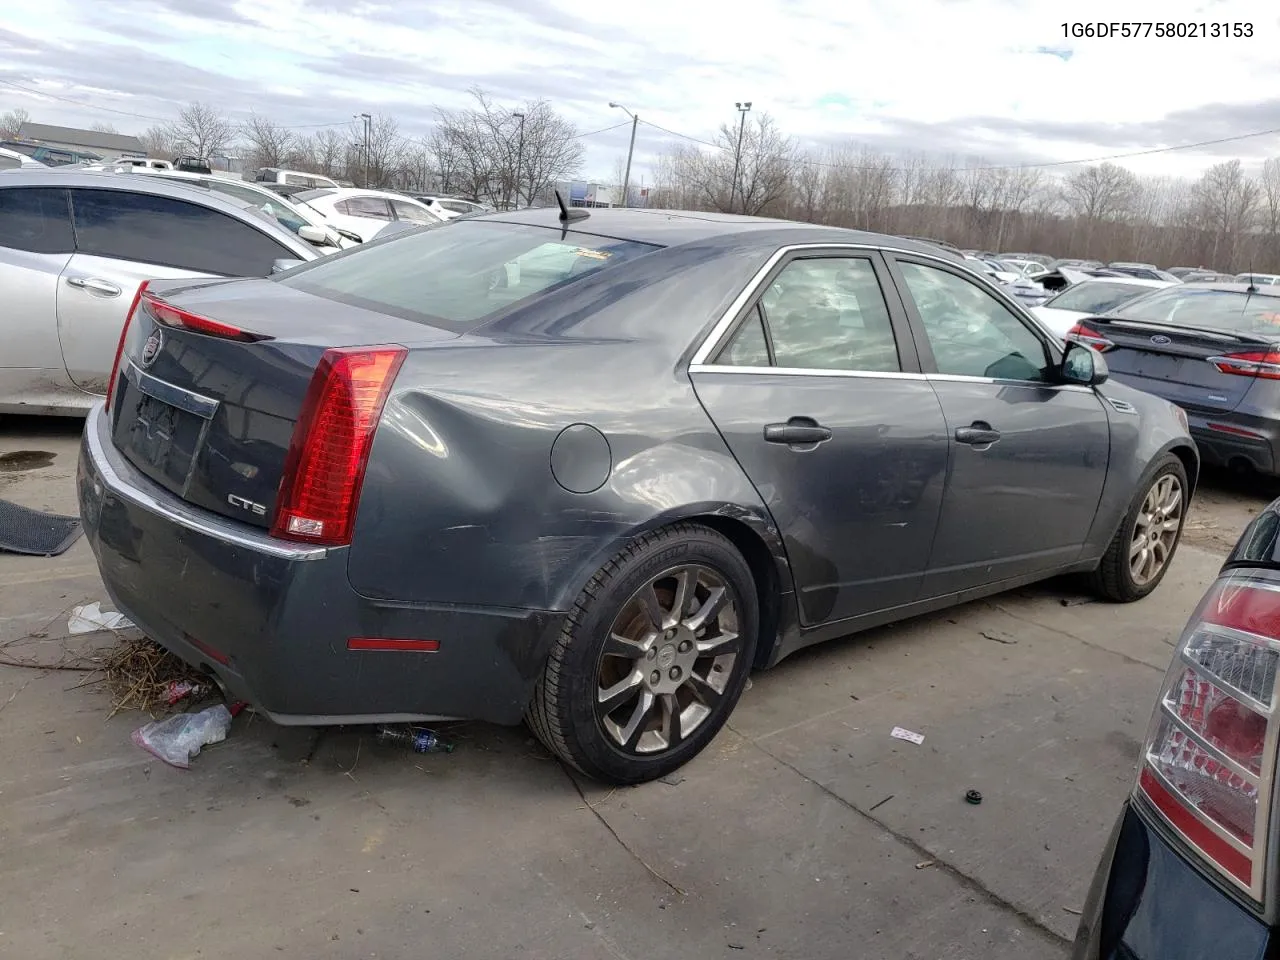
(376, 162)
(1271, 199)
(323, 152)
(270, 145)
(492, 153)
(102, 126)
(159, 142)
(1228, 202)
(764, 166)
(12, 122)
(201, 129)
(1104, 192)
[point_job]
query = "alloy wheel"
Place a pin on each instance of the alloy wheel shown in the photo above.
(668, 660)
(1156, 531)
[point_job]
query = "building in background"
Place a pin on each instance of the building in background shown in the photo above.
(105, 146)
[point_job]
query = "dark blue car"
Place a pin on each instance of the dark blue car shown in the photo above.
(1191, 867)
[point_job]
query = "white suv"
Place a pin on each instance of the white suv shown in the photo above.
(366, 212)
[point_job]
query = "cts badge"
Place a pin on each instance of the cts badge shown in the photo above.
(257, 509)
(151, 349)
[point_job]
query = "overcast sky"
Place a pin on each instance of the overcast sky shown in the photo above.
(994, 79)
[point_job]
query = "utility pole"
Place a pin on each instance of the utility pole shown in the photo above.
(626, 177)
(519, 159)
(737, 157)
(368, 123)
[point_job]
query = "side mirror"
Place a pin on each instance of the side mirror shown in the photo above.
(282, 264)
(313, 234)
(1083, 365)
(350, 235)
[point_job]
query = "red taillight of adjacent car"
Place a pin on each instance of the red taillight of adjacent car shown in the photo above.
(124, 335)
(1209, 761)
(1263, 364)
(325, 467)
(167, 315)
(1083, 333)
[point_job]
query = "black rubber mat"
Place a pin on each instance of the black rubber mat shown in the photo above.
(35, 533)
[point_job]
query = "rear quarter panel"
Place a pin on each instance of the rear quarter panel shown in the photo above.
(460, 502)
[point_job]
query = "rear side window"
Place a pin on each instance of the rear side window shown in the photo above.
(373, 207)
(174, 233)
(459, 277)
(36, 219)
(412, 212)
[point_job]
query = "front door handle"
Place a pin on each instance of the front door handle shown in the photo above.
(797, 430)
(978, 434)
(96, 285)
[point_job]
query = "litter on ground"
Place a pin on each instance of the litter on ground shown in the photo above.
(90, 619)
(904, 734)
(177, 739)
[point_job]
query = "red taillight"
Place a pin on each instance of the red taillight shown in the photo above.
(1083, 333)
(168, 315)
(1209, 761)
(1264, 364)
(327, 457)
(124, 334)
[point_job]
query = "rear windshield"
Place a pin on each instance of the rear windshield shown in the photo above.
(1203, 309)
(1095, 297)
(457, 276)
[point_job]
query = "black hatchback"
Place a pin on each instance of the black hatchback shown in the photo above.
(1191, 868)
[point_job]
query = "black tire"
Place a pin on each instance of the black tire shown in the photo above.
(1114, 578)
(563, 713)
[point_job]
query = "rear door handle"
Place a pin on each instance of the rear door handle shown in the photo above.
(978, 434)
(797, 430)
(96, 285)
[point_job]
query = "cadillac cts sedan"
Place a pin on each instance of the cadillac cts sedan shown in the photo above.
(589, 469)
(1190, 869)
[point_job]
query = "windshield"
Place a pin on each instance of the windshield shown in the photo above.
(1206, 309)
(1096, 296)
(459, 276)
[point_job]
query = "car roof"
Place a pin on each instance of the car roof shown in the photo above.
(340, 193)
(159, 185)
(669, 228)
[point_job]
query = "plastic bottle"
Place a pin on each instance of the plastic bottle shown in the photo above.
(419, 741)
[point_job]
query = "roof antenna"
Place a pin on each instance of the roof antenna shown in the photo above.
(567, 215)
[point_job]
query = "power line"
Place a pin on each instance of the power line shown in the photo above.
(1017, 166)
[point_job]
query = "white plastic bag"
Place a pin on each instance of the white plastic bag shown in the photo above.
(177, 739)
(90, 619)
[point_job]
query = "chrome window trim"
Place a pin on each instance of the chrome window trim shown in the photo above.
(712, 342)
(808, 372)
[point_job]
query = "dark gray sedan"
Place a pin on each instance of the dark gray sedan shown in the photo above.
(590, 470)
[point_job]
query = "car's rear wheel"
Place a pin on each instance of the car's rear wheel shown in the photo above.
(652, 658)
(1143, 547)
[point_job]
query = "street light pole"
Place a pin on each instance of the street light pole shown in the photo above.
(368, 121)
(519, 159)
(626, 177)
(737, 156)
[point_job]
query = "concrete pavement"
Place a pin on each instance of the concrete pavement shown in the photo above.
(803, 832)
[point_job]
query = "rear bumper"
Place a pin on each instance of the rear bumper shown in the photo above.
(1229, 438)
(1148, 902)
(271, 619)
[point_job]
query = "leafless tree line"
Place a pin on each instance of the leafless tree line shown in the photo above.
(487, 151)
(1226, 220)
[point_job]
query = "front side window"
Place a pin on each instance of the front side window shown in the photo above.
(825, 313)
(146, 228)
(973, 334)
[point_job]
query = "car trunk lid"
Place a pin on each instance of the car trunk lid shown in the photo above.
(1204, 371)
(212, 380)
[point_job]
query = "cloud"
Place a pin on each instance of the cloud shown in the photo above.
(996, 79)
